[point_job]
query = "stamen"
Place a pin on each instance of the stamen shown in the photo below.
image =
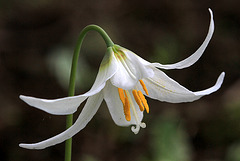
(144, 86)
(144, 101)
(126, 108)
(138, 100)
(121, 95)
(127, 102)
(139, 124)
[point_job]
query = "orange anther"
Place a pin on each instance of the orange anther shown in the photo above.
(138, 100)
(126, 108)
(121, 95)
(144, 101)
(144, 86)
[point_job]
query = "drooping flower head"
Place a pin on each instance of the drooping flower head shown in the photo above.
(123, 81)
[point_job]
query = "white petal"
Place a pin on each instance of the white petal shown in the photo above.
(163, 88)
(214, 88)
(130, 70)
(124, 78)
(107, 69)
(115, 106)
(62, 106)
(143, 67)
(195, 56)
(85, 116)
(69, 105)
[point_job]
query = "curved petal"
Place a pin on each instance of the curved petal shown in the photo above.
(123, 78)
(163, 88)
(108, 68)
(69, 105)
(143, 67)
(195, 56)
(85, 116)
(115, 106)
(61, 106)
(214, 88)
(131, 69)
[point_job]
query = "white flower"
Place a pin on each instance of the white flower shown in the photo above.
(122, 81)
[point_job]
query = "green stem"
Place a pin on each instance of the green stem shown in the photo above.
(69, 119)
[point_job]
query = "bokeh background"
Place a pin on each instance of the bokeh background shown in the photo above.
(37, 39)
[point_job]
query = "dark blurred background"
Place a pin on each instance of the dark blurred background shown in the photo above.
(37, 39)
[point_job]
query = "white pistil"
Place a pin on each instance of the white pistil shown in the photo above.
(139, 124)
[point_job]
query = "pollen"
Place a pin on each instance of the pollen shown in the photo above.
(127, 101)
(126, 104)
(126, 108)
(138, 100)
(121, 95)
(143, 100)
(143, 86)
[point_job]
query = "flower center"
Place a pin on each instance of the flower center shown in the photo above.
(120, 55)
(127, 102)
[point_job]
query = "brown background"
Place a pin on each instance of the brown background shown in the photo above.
(37, 36)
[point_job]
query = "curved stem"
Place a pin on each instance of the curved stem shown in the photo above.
(82, 35)
(71, 92)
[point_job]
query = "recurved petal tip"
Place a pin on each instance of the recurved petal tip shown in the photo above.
(22, 97)
(210, 10)
(23, 146)
(195, 56)
(220, 79)
(26, 146)
(214, 88)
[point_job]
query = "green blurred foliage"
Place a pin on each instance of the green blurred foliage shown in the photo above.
(87, 158)
(165, 51)
(59, 62)
(169, 139)
(233, 152)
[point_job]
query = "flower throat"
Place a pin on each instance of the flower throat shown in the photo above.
(127, 102)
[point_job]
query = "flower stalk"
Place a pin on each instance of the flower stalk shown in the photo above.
(71, 92)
